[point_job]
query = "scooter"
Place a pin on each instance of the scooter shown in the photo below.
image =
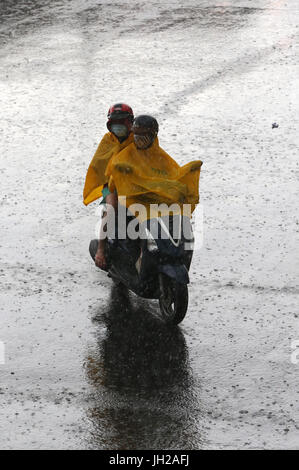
(156, 264)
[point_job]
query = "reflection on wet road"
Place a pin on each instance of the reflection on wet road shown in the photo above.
(142, 381)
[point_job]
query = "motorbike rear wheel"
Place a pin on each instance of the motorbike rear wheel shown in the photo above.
(173, 300)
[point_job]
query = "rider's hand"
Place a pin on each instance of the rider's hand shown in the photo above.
(100, 260)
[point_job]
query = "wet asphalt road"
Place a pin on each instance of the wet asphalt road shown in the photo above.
(84, 367)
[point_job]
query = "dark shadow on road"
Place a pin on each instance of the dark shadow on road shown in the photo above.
(20, 17)
(143, 383)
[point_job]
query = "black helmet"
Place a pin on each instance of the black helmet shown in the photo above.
(146, 122)
(145, 129)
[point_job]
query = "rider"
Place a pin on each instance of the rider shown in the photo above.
(144, 173)
(119, 124)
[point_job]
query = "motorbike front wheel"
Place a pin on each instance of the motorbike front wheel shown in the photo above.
(173, 299)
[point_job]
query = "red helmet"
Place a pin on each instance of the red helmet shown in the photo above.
(120, 111)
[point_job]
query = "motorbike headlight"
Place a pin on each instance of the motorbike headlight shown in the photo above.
(151, 242)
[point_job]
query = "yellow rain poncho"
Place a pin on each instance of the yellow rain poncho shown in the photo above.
(95, 178)
(151, 176)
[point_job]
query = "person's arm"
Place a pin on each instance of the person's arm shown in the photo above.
(111, 201)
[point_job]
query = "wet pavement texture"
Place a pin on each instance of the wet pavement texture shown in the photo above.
(86, 367)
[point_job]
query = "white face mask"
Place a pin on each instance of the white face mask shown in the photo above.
(120, 130)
